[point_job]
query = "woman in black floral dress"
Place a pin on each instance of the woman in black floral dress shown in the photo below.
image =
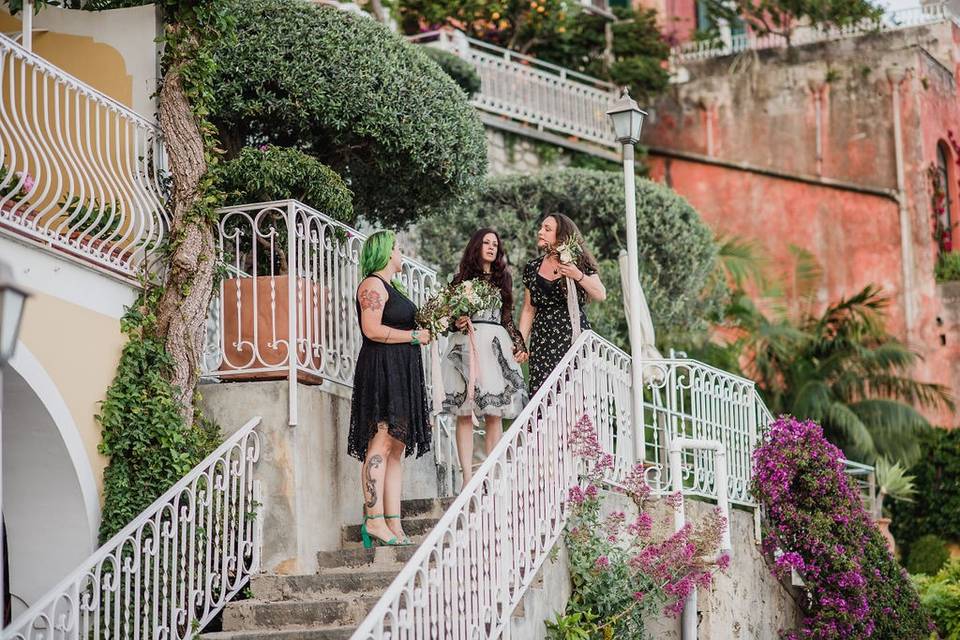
(545, 318)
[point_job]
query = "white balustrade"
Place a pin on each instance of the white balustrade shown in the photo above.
(531, 91)
(891, 21)
(79, 171)
(470, 572)
(169, 572)
(255, 310)
(686, 398)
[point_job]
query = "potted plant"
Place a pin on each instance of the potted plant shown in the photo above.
(255, 303)
(893, 482)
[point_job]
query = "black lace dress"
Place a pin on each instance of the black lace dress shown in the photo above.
(388, 385)
(550, 337)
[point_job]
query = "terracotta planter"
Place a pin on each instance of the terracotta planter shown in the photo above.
(272, 322)
(884, 525)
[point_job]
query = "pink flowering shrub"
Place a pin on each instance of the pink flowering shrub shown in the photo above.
(855, 589)
(624, 572)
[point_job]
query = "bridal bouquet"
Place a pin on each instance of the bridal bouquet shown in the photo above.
(453, 301)
(569, 251)
(437, 314)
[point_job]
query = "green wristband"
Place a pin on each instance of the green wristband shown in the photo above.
(414, 340)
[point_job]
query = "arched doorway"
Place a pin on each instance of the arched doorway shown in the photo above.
(46, 489)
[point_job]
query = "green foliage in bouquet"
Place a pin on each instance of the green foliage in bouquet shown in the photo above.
(455, 300)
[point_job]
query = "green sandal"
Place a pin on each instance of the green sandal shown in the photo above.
(406, 539)
(369, 540)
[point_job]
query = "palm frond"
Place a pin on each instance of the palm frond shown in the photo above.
(805, 277)
(895, 427)
(845, 428)
(742, 261)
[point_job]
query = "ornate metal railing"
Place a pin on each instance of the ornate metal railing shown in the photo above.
(901, 19)
(169, 572)
(469, 574)
(256, 313)
(79, 171)
(531, 91)
(686, 398)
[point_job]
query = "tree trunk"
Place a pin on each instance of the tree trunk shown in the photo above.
(182, 310)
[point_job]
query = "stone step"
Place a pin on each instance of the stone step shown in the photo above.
(382, 557)
(254, 615)
(316, 633)
(425, 507)
(370, 580)
(411, 526)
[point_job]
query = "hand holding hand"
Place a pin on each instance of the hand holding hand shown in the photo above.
(462, 323)
(571, 271)
(521, 356)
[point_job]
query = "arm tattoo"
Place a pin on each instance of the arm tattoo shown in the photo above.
(370, 300)
(374, 462)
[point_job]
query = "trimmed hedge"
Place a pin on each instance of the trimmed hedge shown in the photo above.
(273, 173)
(457, 68)
(677, 251)
(359, 98)
(927, 555)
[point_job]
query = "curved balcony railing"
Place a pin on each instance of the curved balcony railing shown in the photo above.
(79, 172)
(171, 570)
(894, 20)
(291, 277)
(531, 91)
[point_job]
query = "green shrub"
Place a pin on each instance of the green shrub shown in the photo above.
(927, 555)
(143, 432)
(936, 506)
(948, 266)
(677, 252)
(940, 595)
(273, 173)
(457, 68)
(359, 98)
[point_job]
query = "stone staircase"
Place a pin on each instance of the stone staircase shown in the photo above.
(330, 604)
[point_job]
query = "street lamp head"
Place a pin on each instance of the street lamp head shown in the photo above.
(627, 117)
(12, 298)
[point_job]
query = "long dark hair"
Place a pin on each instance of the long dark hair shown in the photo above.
(567, 228)
(471, 265)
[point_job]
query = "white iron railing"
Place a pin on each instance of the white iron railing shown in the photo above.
(79, 171)
(686, 398)
(167, 573)
(470, 572)
(255, 310)
(531, 91)
(901, 19)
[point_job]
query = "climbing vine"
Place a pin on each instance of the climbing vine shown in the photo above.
(152, 430)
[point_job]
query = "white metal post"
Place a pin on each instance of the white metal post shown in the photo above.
(293, 280)
(688, 623)
(633, 316)
(26, 25)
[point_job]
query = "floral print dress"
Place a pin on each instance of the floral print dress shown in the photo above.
(550, 337)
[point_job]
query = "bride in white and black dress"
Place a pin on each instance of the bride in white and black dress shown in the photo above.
(499, 391)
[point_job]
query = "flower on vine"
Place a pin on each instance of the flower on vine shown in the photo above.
(28, 181)
(602, 562)
(723, 562)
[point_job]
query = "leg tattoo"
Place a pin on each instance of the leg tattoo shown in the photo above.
(374, 462)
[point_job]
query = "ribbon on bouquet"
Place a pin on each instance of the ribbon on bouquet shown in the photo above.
(436, 377)
(573, 308)
(474, 357)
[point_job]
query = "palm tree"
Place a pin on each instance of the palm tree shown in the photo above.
(840, 368)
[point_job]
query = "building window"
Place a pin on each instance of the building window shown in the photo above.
(945, 199)
(707, 22)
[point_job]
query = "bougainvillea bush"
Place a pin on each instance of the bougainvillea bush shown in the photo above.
(818, 524)
(625, 572)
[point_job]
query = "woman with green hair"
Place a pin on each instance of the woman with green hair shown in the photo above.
(389, 415)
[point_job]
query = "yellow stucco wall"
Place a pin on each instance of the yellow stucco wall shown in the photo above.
(97, 64)
(79, 349)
